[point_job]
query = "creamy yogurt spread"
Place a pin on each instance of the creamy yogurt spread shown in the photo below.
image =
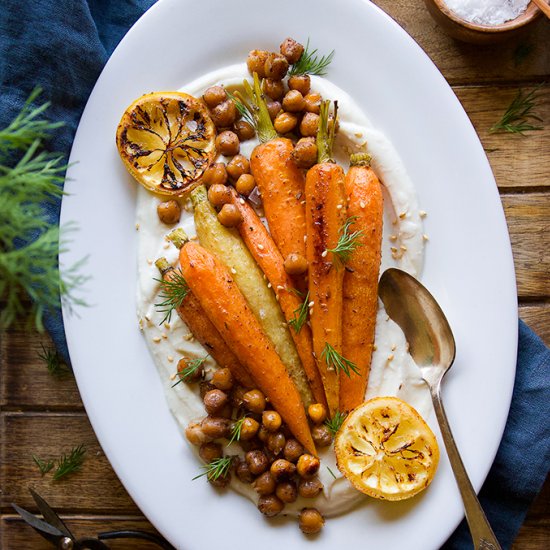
(393, 372)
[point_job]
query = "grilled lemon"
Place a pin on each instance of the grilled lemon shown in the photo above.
(166, 141)
(386, 449)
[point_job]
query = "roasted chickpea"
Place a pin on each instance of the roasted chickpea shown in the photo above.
(292, 50)
(270, 505)
(311, 521)
(244, 130)
(257, 462)
(249, 428)
(276, 66)
(256, 62)
(227, 143)
(215, 427)
(216, 174)
(308, 466)
(237, 396)
(194, 434)
(219, 195)
(301, 82)
(312, 103)
(263, 434)
(214, 401)
(273, 108)
(189, 376)
(286, 491)
(295, 264)
(226, 412)
(309, 488)
(276, 443)
(285, 122)
(210, 451)
(321, 435)
(282, 469)
(271, 420)
(222, 379)
(204, 387)
(230, 216)
(245, 184)
(265, 484)
(254, 401)
(293, 101)
(242, 471)
(214, 96)
(317, 412)
(305, 151)
(238, 166)
(169, 212)
(275, 89)
(309, 125)
(224, 114)
(220, 482)
(293, 450)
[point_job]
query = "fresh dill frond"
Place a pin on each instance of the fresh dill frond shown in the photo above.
(300, 315)
(348, 241)
(191, 368)
(69, 463)
(336, 361)
(335, 423)
(330, 471)
(516, 118)
(43, 465)
(54, 363)
(311, 63)
(242, 106)
(236, 430)
(216, 469)
(172, 293)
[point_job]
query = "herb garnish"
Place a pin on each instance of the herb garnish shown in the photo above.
(300, 315)
(66, 464)
(190, 369)
(338, 362)
(54, 363)
(216, 469)
(172, 291)
(516, 118)
(311, 63)
(244, 110)
(347, 242)
(236, 430)
(331, 472)
(43, 466)
(335, 423)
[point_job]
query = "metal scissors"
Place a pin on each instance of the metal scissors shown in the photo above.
(55, 531)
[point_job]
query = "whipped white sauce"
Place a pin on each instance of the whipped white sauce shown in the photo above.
(393, 372)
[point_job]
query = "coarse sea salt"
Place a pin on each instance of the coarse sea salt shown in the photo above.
(487, 12)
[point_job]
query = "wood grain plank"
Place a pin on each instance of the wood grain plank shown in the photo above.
(517, 161)
(463, 63)
(95, 489)
(535, 531)
(528, 217)
(15, 533)
(537, 316)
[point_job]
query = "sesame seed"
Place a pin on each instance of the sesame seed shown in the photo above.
(311, 312)
(167, 325)
(393, 249)
(140, 324)
(137, 226)
(170, 359)
(393, 237)
(311, 304)
(302, 202)
(305, 238)
(362, 204)
(280, 287)
(375, 347)
(193, 238)
(403, 247)
(234, 271)
(148, 318)
(402, 215)
(166, 245)
(156, 339)
(173, 376)
(150, 262)
(188, 337)
(339, 206)
(425, 237)
(423, 213)
(261, 246)
(394, 221)
(268, 285)
(393, 347)
(324, 253)
(285, 325)
(241, 200)
(390, 357)
(164, 335)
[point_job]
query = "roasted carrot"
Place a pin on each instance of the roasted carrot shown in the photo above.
(192, 314)
(214, 286)
(267, 256)
(365, 206)
(325, 217)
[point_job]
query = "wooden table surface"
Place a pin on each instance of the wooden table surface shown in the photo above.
(43, 415)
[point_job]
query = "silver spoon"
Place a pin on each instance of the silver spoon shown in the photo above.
(432, 346)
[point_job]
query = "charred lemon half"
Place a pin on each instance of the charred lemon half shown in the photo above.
(166, 141)
(386, 449)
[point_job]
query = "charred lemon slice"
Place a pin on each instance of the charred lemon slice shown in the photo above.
(166, 141)
(386, 449)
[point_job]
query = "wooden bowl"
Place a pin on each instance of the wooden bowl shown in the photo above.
(463, 30)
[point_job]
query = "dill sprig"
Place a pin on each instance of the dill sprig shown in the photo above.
(347, 242)
(236, 429)
(242, 106)
(216, 469)
(172, 293)
(69, 463)
(311, 63)
(300, 315)
(191, 368)
(338, 362)
(54, 363)
(43, 465)
(330, 471)
(516, 118)
(335, 423)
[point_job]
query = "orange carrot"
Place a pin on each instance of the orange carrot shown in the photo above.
(212, 284)
(192, 314)
(365, 205)
(267, 256)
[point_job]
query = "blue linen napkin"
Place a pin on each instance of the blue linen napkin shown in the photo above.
(62, 45)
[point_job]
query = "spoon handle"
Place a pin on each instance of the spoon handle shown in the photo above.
(482, 534)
